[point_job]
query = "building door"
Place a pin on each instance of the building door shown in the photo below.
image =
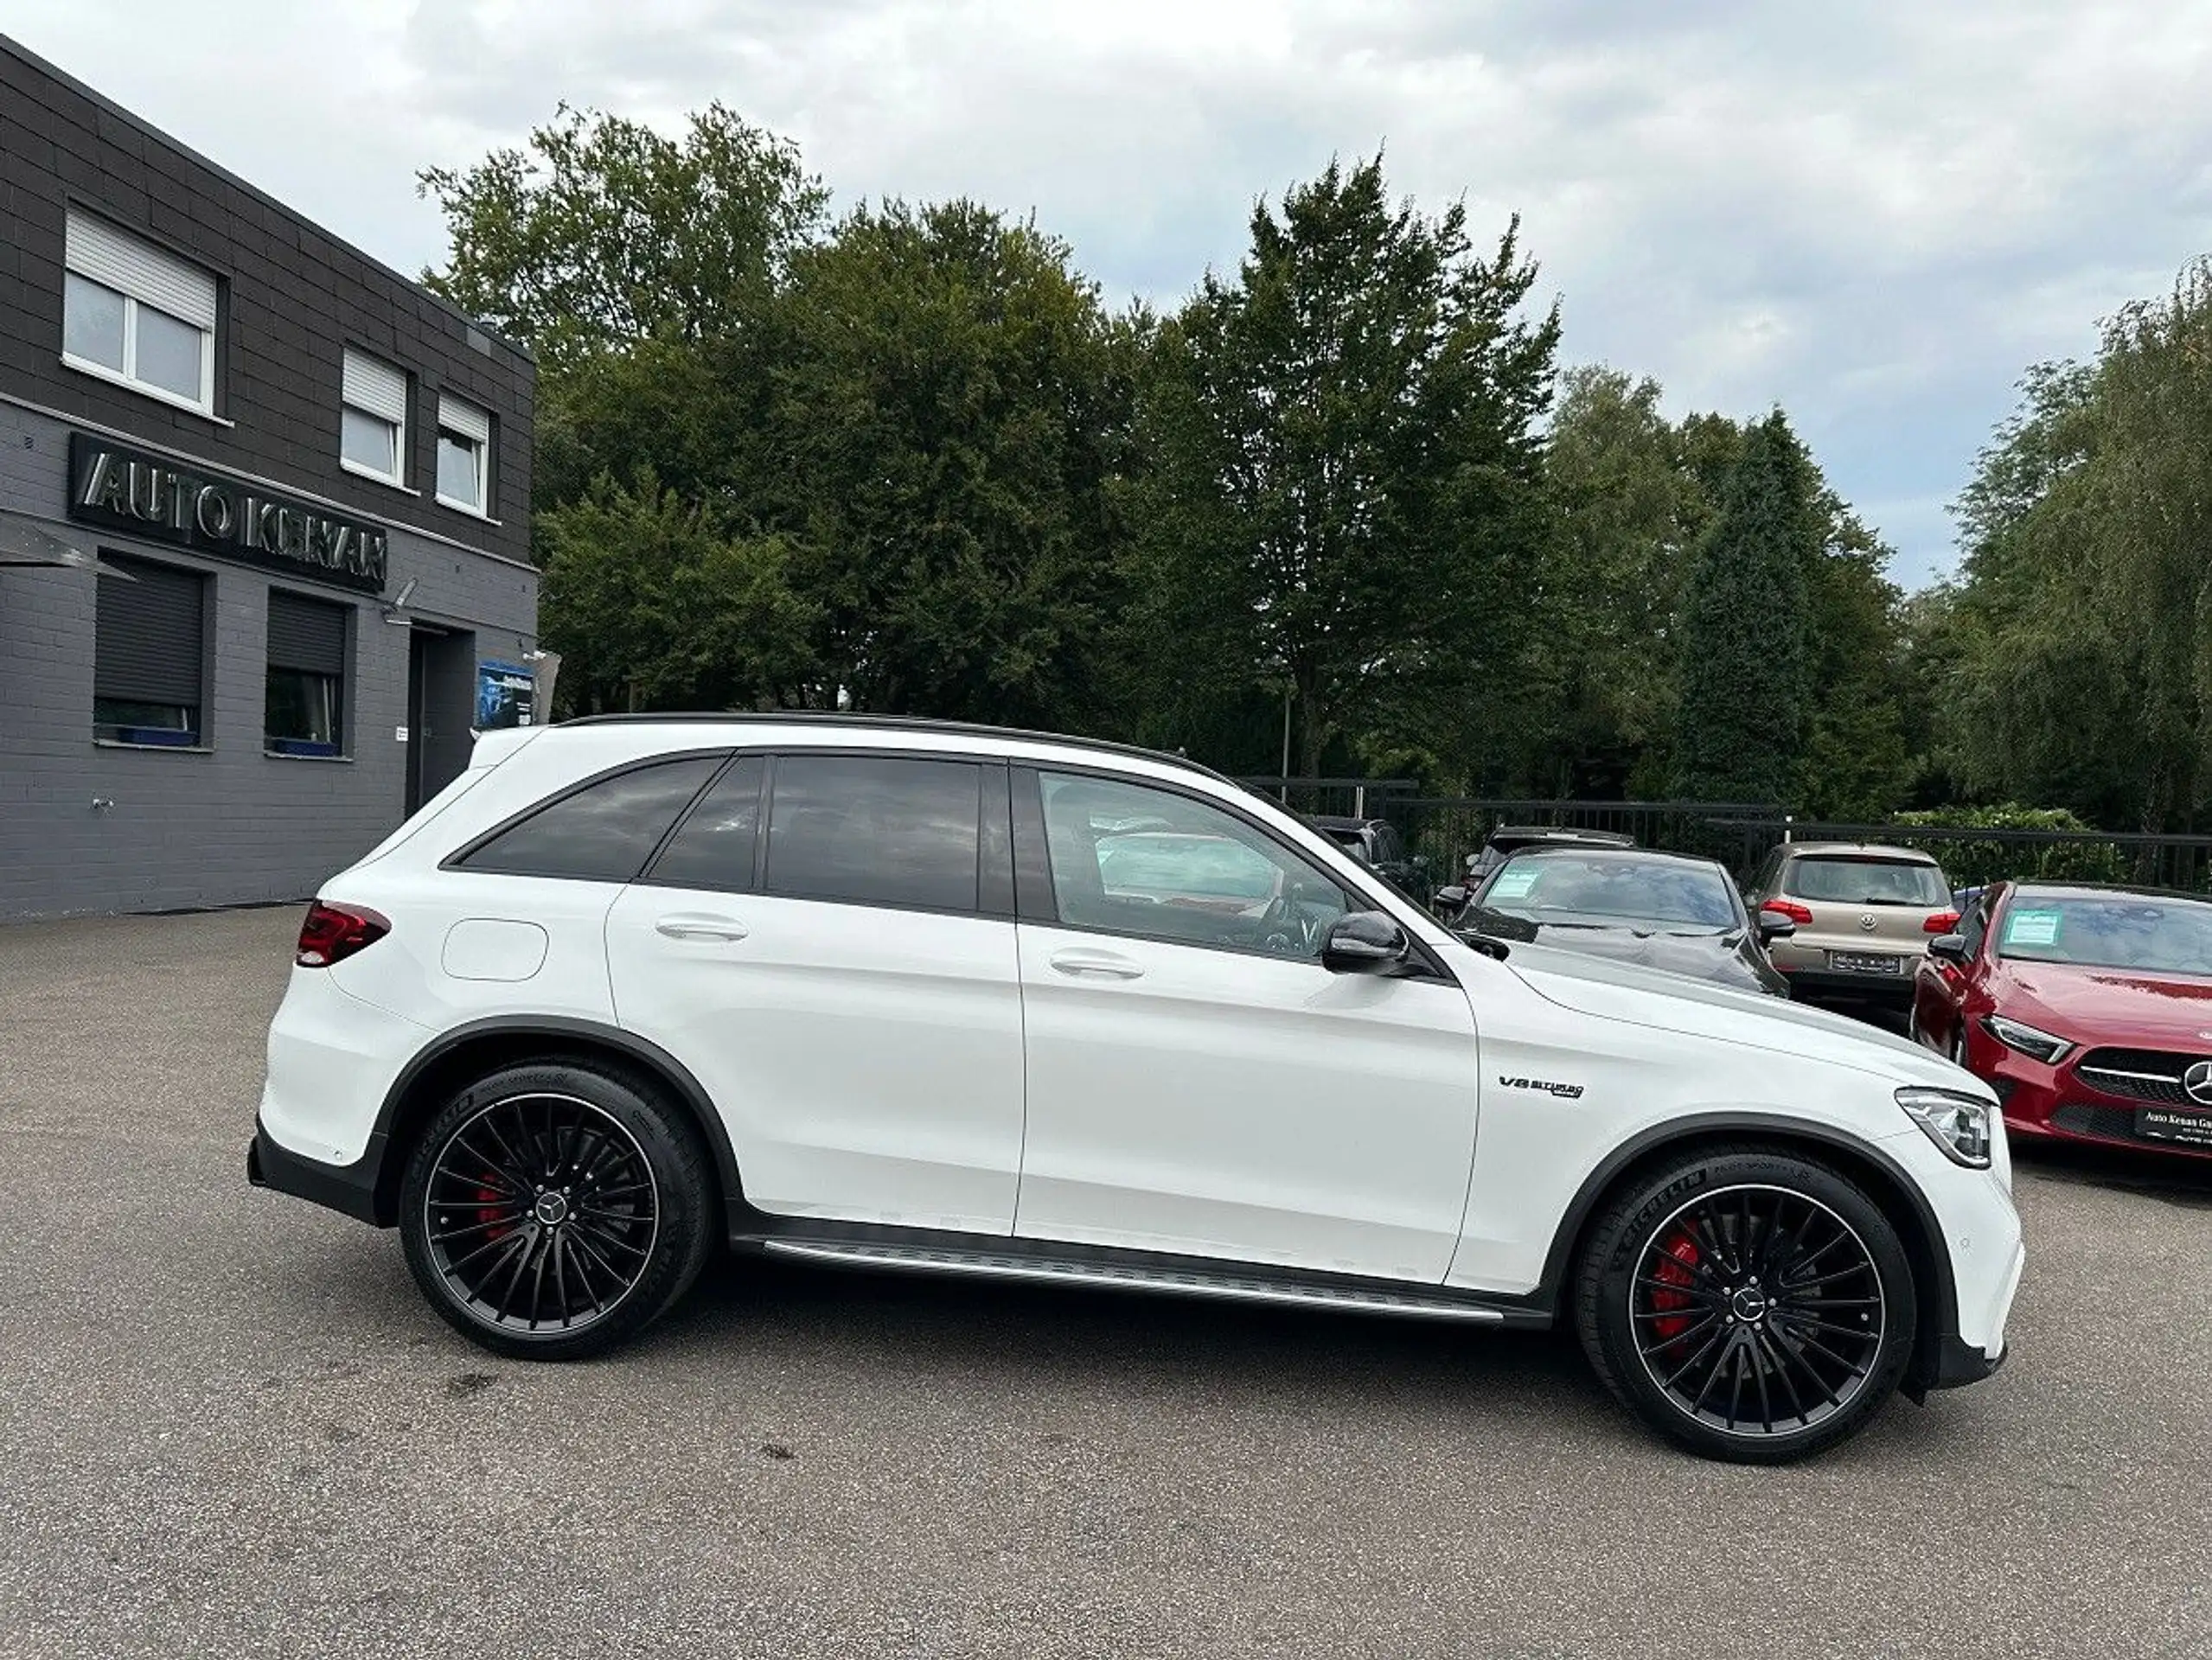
(441, 709)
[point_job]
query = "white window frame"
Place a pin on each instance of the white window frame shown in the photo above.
(465, 420)
(373, 388)
(144, 275)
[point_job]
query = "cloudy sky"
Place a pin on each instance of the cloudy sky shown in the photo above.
(1875, 215)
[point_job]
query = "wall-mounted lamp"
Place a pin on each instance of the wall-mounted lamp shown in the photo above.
(396, 612)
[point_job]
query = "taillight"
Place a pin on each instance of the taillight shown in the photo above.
(332, 933)
(1790, 908)
(1943, 922)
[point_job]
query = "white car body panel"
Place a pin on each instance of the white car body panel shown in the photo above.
(1218, 1103)
(867, 1063)
(875, 1065)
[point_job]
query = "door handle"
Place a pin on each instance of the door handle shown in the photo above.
(700, 928)
(1103, 964)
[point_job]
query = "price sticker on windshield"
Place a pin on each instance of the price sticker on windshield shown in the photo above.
(2031, 928)
(1513, 884)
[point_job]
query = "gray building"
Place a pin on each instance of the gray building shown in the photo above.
(264, 538)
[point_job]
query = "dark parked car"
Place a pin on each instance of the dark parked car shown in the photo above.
(1671, 912)
(1376, 843)
(1508, 839)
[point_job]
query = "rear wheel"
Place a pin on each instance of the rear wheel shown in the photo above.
(551, 1212)
(1754, 1306)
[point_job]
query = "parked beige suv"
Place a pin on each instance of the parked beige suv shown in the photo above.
(1863, 916)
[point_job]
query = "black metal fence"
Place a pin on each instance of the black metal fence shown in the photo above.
(1442, 831)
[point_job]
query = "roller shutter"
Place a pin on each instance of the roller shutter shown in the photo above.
(306, 633)
(148, 632)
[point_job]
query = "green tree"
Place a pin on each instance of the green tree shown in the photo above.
(947, 403)
(1627, 505)
(2080, 666)
(1744, 668)
(1341, 490)
(600, 234)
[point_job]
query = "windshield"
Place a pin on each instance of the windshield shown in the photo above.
(1867, 882)
(2158, 936)
(1157, 865)
(1612, 889)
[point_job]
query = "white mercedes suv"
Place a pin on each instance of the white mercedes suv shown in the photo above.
(901, 994)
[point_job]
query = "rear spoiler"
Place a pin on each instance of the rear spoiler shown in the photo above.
(498, 744)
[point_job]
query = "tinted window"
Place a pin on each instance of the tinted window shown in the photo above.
(714, 848)
(603, 832)
(1868, 882)
(1155, 865)
(1975, 924)
(875, 829)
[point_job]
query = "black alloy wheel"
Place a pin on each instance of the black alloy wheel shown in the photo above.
(1757, 1311)
(1753, 1305)
(552, 1211)
(542, 1213)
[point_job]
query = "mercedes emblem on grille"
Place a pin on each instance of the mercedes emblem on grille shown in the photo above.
(1866, 920)
(2196, 1084)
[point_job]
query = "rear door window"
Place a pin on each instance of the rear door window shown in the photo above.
(1867, 882)
(877, 830)
(603, 831)
(713, 848)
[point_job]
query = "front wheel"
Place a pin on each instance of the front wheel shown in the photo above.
(1754, 1306)
(550, 1212)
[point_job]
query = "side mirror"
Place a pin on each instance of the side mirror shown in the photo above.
(1772, 927)
(1951, 947)
(1363, 942)
(1450, 902)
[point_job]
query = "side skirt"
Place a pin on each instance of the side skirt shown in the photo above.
(1043, 1262)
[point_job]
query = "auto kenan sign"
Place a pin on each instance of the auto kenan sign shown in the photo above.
(149, 497)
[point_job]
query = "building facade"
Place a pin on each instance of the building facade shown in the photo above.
(264, 526)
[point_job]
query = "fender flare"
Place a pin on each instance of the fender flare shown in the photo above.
(649, 1056)
(1939, 1318)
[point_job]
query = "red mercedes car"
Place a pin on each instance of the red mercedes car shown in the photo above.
(2087, 1009)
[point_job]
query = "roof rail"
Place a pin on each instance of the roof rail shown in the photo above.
(897, 722)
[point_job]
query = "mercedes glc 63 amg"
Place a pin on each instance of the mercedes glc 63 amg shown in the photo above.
(902, 995)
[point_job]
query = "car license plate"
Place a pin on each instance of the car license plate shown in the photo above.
(2157, 1124)
(1856, 963)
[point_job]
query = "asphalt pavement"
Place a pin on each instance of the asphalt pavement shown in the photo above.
(229, 1427)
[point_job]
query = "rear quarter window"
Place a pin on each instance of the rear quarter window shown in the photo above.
(603, 831)
(1866, 882)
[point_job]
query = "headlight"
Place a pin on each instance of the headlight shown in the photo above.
(2027, 1040)
(1959, 1125)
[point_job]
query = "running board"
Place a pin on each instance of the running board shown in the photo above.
(1232, 1288)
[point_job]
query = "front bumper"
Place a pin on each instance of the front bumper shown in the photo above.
(349, 1189)
(2053, 1103)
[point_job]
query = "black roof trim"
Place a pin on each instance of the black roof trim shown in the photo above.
(901, 724)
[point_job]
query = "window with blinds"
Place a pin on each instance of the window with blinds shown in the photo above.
(305, 710)
(372, 427)
(149, 652)
(463, 456)
(135, 314)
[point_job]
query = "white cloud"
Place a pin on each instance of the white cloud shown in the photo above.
(1876, 214)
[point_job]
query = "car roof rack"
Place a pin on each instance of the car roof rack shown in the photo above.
(896, 722)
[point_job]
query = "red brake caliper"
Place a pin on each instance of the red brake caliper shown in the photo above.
(1681, 1256)
(489, 1197)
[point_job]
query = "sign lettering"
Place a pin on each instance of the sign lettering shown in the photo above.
(147, 495)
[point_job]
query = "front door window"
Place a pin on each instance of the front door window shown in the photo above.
(1151, 864)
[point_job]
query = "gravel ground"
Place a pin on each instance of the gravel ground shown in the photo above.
(228, 1427)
